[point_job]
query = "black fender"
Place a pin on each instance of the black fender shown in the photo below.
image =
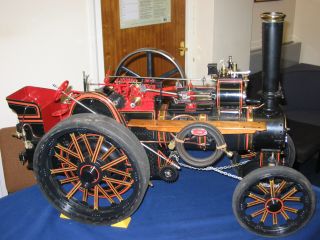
(99, 103)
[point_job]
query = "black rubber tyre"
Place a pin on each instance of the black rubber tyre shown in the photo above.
(273, 201)
(212, 132)
(103, 185)
(290, 152)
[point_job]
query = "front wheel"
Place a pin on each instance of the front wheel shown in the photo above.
(92, 169)
(273, 201)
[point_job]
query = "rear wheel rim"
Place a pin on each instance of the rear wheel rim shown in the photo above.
(90, 174)
(96, 171)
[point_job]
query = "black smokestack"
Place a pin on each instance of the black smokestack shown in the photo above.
(272, 31)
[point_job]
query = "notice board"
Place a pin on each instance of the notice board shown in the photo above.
(135, 13)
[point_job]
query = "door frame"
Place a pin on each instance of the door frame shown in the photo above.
(95, 29)
(96, 41)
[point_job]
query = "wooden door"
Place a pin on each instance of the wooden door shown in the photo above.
(118, 42)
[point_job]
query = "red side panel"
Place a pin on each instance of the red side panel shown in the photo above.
(40, 101)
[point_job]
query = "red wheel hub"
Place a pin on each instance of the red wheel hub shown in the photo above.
(274, 205)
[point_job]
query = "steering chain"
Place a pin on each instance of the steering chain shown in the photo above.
(210, 168)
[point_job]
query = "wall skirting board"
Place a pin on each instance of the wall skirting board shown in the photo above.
(290, 56)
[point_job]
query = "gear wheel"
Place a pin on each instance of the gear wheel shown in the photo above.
(169, 174)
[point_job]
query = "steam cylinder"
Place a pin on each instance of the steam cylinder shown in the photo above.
(272, 31)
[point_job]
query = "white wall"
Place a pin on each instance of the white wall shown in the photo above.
(232, 31)
(43, 42)
(199, 36)
(306, 30)
(285, 6)
(215, 30)
(219, 28)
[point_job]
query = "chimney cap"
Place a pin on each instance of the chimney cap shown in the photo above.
(273, 17)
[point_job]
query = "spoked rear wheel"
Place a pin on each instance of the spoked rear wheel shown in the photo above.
(92, 169)
(273, 201)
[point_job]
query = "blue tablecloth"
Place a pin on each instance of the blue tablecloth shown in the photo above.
(198, 206)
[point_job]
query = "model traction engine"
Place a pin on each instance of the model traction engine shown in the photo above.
(94, 153)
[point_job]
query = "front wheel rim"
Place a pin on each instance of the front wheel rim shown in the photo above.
(274, 206)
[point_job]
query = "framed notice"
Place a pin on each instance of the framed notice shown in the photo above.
(136, 13)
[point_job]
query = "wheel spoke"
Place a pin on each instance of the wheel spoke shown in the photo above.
(169, 73)
(262, 188)
(77, 147)
(150, 70)
(272, 190)
(86, 142)
(114, 190)
(284, 214)
(69, 180)
(118, 181)
(274, 218)
(289, 194)
(85, 195)
(257, 213)
(253, 203)
(281, 186)
(97, 149)
(114, 162)
(107, 154)
(68, 151)
(294, 199)
(125, 174)
(105, 194)
(264, 216)
(129, 72)
(290, 209)
(65, 160)
(61, 170)
(96, 198)
(257, 198)
(73, 190)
